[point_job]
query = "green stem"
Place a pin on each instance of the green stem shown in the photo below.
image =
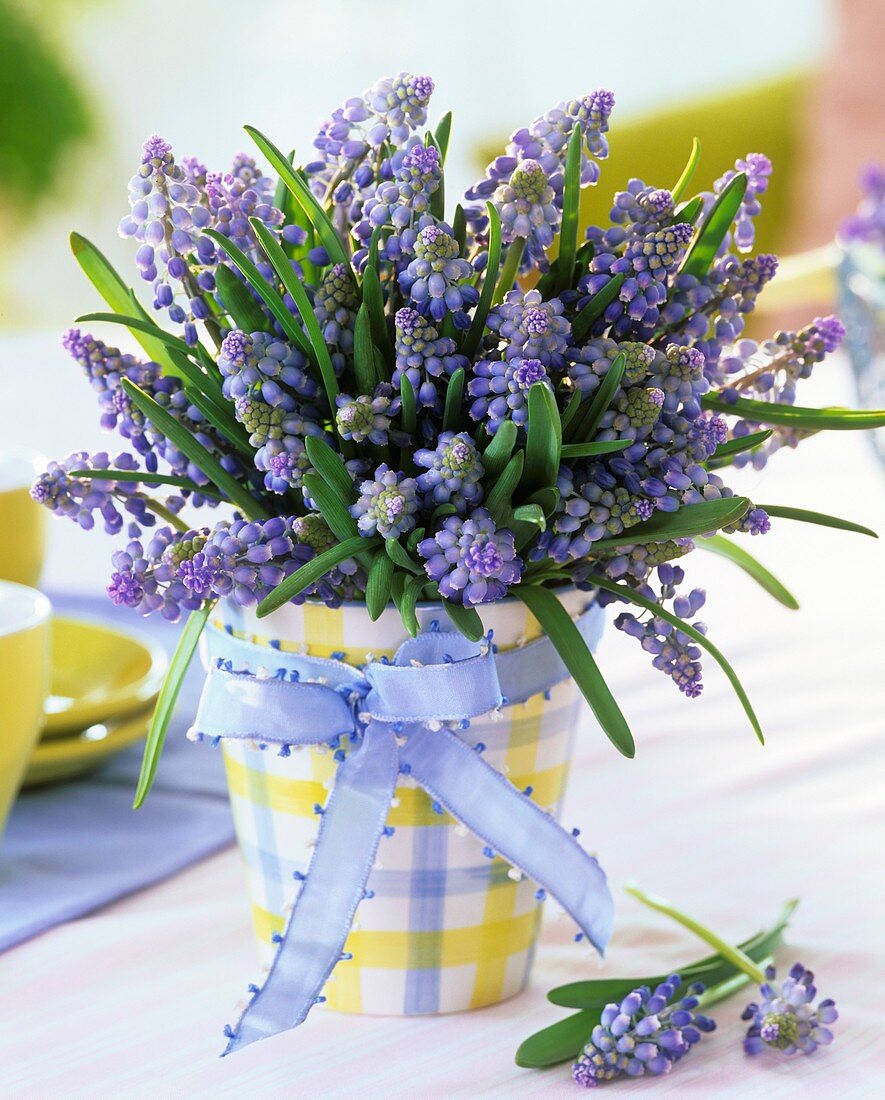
(509, 270)
(735, 956)
(163, 512)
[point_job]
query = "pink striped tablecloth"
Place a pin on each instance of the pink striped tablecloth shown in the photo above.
(130, 1002)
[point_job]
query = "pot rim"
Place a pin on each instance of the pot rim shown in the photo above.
(421, 605)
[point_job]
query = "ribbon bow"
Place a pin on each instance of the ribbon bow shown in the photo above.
(401, 714)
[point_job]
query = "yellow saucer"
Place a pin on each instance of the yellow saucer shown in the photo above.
(66, 757)
(99, 673)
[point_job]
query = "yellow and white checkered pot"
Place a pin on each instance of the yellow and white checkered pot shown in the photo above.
(445, 928)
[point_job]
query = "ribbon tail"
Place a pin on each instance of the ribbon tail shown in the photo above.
(509, 822)
(350, 829)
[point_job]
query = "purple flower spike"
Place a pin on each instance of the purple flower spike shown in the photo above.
(472, 560)
(648, 1032)
(785, 1019)
(387, 504)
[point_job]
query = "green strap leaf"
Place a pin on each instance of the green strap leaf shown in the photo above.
(687, 172)
(409, 413)
(543, 440)
(531, 513)
(568, 413)
(703, 249)
(117, 295)
(454, 398)
(560, 1042)
(696, 636)
(311, 571)
(510, 270)
(478, 324)
(547, 498)
(459, 228)
(711, 970)
(303, 196)
(438, 198)
(584, 426)
(333, 509)
(794, 416)
(190, 446)
(223, 421)
(688, 521)
(689, 211)
(364, 353)
(465, 619)
(283, 267)
(590, 313)
(330, 466)
(571, 208)
(406, 599)
(497, 454)
(781, 511)
(577, 658)
(166, 700)
(378, 584)
(725, 453)
(719, 544)
(498, 500)
(146, 327)
(238, 303)
(373, 298)
(144, 477)
(268, 294)
(400, 556)
(602, 447)
(441, 135)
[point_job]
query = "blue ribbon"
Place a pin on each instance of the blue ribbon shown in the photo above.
(395, 711)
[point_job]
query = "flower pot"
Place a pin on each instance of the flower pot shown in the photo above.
(444, 928)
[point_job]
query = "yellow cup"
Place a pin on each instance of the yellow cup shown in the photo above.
(22, 520)
(24, 683)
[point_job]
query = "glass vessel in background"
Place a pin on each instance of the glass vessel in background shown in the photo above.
(861, 290)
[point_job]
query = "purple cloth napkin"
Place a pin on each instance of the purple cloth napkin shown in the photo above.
(71, 848)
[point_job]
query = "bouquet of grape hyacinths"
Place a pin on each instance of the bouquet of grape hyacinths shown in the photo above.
(373, 392)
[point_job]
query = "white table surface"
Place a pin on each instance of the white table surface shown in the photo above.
(130, 1001)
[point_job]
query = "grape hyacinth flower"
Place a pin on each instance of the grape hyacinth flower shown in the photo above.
(243, 560)
(167, 217)
(674, 652)
(590, 364)
(387, 504)
(757, 168)
(422, 354)
(260, 364)
(501, 387)
(144, 578)
(106, 368)
(638, 211)
(335, 308)
(647, 1033)
(472, 559)
(525, 205)
(367, 418)
(531, 327)
(785, 1019)
(647, 263)
(80, 498)
(454, 469)
(867, 223)
(435, 279)
(546, 141)
(416, 177)
(400, 103)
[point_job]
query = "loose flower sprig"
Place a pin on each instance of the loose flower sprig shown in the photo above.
(385, 398)
(636, 1026)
